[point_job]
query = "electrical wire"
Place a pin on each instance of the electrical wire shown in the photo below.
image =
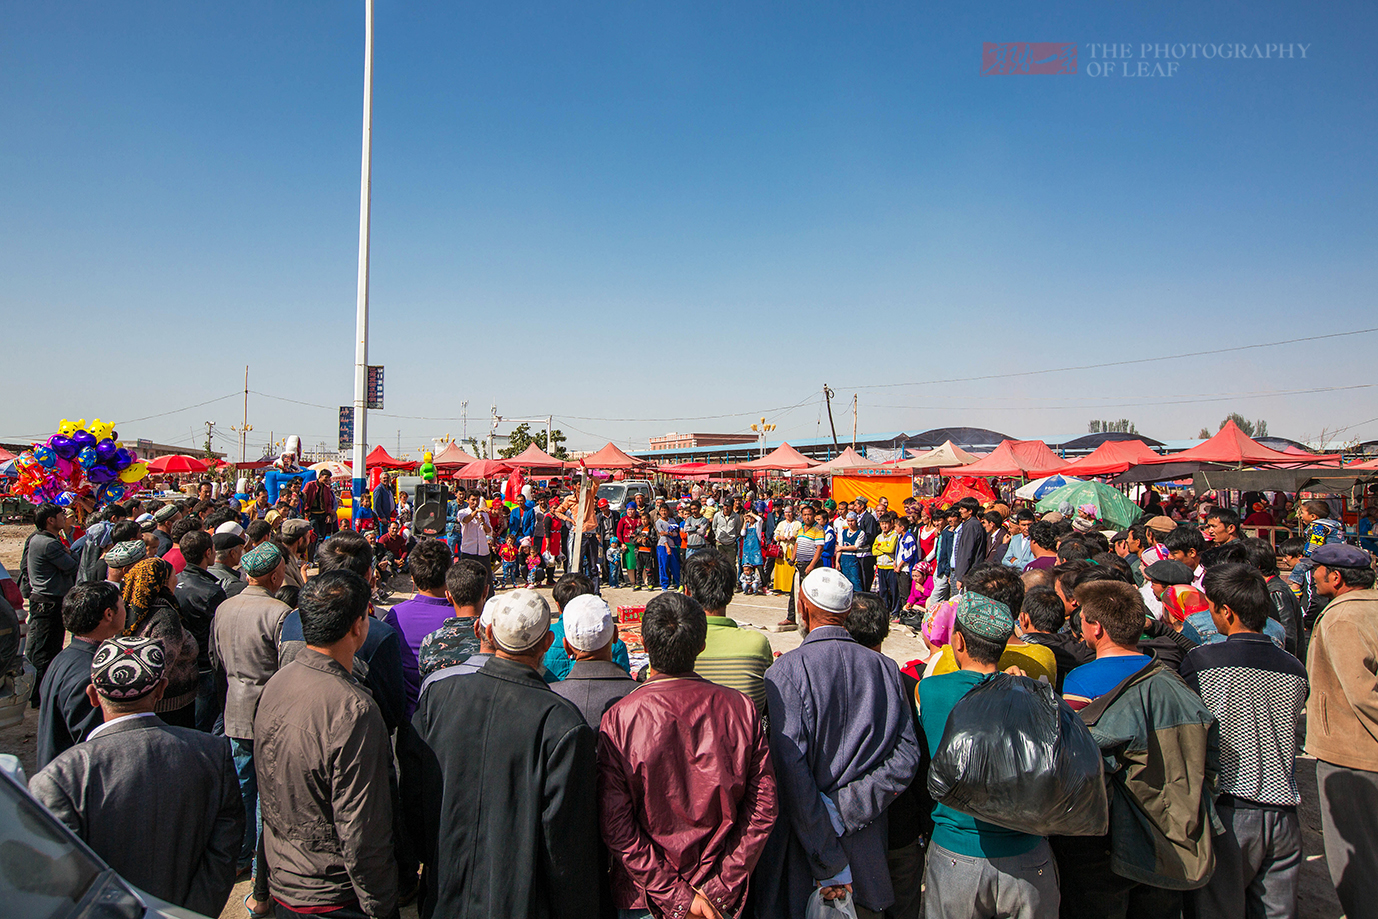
(1120, 363)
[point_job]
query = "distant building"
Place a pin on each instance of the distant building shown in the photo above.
(675, 441)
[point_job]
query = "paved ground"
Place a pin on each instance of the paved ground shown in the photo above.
(1317, 896)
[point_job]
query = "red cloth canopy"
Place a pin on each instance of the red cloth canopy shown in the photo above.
(177, 462)
(1028, 458)
(782, 457)
(452, 456)
(962, 486)
(611, 457)
(1232, 447)
(534, 457)
(382, 459)
(483, 469)
(1112, 458)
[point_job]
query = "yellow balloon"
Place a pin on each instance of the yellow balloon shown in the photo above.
(133, 473)
(66, 429)
(100, 429)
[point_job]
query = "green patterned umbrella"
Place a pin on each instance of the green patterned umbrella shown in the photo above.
(1112, 506)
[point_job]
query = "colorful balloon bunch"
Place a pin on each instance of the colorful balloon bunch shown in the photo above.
(79, 460)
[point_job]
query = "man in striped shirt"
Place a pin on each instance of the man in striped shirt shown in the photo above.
(813, 547)
(732, 657)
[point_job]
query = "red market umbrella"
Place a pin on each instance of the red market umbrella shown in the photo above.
(533, 457)
(783, 457)
(1112, 458)
(1014, 458)
(452, 457)
(176, 463)
(611, 457)
(382, 459)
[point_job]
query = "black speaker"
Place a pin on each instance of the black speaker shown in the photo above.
(429, 517)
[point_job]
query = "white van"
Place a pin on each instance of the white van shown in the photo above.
(621, 494)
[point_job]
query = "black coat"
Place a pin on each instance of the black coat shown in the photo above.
(971, 547)
(199, 594)
(499, 786)
(65, 714)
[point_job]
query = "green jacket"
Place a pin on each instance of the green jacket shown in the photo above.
(1162, 762)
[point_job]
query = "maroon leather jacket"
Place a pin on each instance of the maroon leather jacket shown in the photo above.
(686, 794)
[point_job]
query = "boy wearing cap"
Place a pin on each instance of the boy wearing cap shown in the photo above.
(159, 804)
(843, 744)
(1256, 691)
(1342, 720)
(686, 789)
(593, 681)
(977, 868)
(500, 780)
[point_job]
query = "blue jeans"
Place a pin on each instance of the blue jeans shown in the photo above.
(613, 571)
(509, 573)
(669, 566)
(243, 751)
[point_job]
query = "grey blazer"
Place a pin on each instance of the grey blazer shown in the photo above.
(159, 804)
(594, 686)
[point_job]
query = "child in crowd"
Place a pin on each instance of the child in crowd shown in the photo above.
(508, 553)
(645, 557)
(532, 560)
(614, 556)
(750, 580)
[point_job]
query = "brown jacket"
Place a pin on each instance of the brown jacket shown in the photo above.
(1342, 711)
(321, 752)
(244, 639)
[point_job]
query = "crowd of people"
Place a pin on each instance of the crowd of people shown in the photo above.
(238, 700)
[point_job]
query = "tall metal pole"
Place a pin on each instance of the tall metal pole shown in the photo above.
(361, 321)
(828, 395)
(244, 430)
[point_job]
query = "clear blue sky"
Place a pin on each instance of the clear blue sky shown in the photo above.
(669, 211)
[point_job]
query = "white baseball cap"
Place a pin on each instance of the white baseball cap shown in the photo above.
(828, 589)
(229, 526)
(485, 618)
(519, 620)
(588, 623)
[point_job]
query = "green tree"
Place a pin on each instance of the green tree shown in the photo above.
(1204, 433)
(521, 438)
(1257, 428)
(1123, 426)
(477, 447)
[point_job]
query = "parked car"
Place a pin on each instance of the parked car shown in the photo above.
(620, 494)
(46, 872)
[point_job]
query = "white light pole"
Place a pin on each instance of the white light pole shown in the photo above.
(361, 321)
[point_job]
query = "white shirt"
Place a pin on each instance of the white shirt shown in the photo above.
(114, 721)
(474, 530)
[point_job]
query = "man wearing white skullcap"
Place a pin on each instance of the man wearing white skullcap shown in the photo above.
(506, 780)
(594, 682)
(844, 704)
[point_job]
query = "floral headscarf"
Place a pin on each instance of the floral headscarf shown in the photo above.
(143, 584)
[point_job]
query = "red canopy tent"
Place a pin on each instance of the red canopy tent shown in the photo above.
(1023, 458)
(1232, 447)
(533, 457)
(452, 457)
(783, 457)
(1112, 458)
(962, 486)
(5, 455)
(844, 461)
(483, 469)
(382, 459)
(177, 462)
(611, 457)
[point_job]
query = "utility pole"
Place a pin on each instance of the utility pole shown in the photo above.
(464, 421)
(548, 445)
(210, 430)
(244, 427)
(399, 442)
(361, 306)
(853, 420)
(493, 430)
(828, 395)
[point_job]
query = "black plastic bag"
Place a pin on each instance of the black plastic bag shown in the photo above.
(1014, 754)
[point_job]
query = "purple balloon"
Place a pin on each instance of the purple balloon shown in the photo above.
(63, 446)
(122, 459)
(84, 439)
(100, 475)
(106, 450)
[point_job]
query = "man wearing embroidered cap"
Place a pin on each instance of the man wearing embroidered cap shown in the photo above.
(844, 704)
(182, 849)
(122, 556)
(970, 859)
(1342, 721)
(245, 636)
(593, 682)
(509, 825)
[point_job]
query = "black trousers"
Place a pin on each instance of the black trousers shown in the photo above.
(867, 563)
(45, 636)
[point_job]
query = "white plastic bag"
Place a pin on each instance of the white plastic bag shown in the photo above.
(819, 908)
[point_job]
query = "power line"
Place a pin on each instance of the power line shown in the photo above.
(1121, 363)
(1166, 400)
(176, 410)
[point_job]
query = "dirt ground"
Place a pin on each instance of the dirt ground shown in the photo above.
(1316, 898)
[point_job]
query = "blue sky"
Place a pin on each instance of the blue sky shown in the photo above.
(633, 214)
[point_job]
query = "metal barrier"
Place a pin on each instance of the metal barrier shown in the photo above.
(1273, 534)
